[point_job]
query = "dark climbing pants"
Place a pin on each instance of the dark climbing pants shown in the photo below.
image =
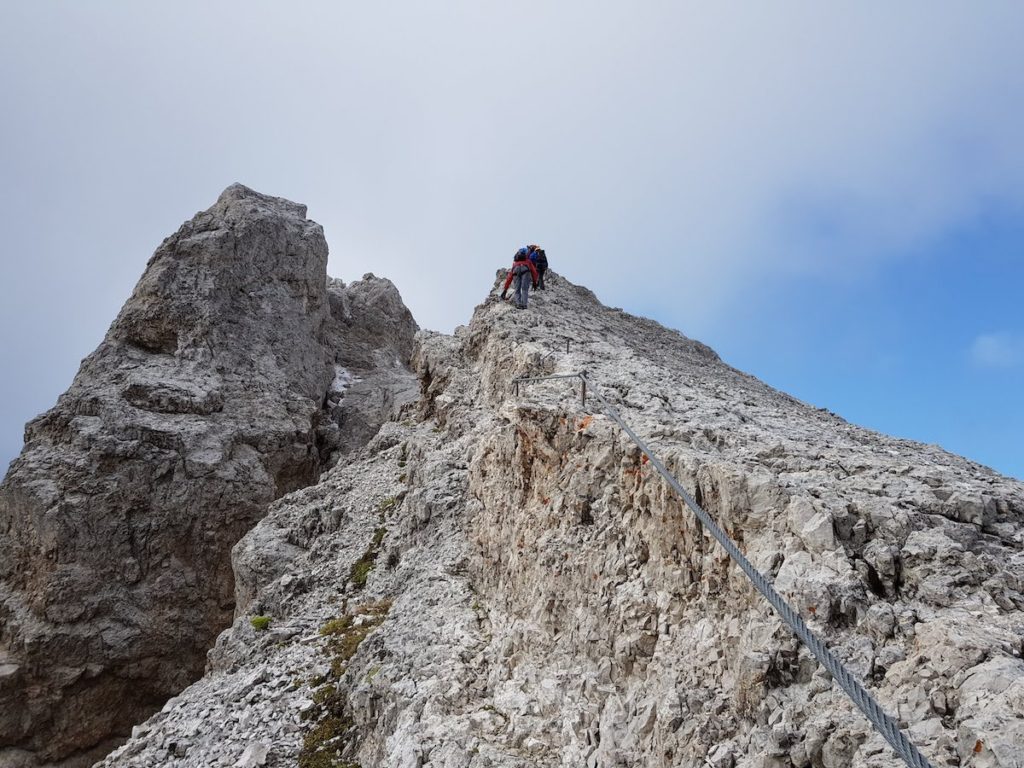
(540, 272)
(521, 288)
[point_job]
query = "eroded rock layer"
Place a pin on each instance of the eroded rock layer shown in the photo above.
(220, 387)
(502, 580)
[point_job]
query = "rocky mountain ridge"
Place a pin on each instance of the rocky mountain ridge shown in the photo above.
(496, 577)
(501, 580)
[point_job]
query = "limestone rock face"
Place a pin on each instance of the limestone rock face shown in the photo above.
(501, 580)
(211, 396)
(372, 334)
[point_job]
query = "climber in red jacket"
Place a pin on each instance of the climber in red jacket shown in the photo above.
(522, 268)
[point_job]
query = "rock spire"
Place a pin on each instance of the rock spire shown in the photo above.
(219, 387)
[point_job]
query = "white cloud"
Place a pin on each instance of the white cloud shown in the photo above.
(705, 144)
(677, 154)
(997, 350)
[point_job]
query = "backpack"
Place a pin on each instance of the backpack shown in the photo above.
(540, 259)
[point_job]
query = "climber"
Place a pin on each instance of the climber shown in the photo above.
(540, 261)
(522, 269)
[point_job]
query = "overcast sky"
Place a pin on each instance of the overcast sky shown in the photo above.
(830, 194)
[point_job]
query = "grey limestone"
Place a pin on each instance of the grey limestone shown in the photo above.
(551, 603)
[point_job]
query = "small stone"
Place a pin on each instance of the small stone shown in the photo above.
(254, 755)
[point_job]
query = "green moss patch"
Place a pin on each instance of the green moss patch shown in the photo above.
(334, 729)
(361, 568)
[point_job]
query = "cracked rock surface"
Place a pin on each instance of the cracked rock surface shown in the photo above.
(213, 393)
(501, 579)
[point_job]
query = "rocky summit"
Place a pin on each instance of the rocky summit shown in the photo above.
(418, 563)
(220, 387)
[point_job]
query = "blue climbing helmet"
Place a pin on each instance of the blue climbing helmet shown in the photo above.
(522, 254)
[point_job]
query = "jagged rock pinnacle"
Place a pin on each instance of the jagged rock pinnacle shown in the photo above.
(218, 388)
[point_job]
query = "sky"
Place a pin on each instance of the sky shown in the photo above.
(831, 195)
